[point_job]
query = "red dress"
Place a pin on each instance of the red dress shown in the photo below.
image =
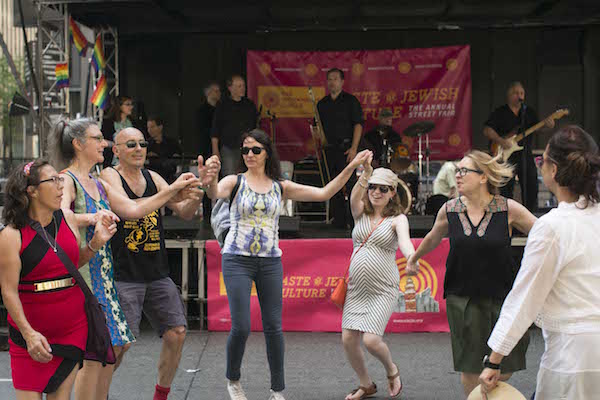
(57, 314)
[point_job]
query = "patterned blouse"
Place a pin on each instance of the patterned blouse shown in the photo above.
(254, 220)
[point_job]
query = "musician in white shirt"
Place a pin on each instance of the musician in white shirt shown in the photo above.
(558, 285)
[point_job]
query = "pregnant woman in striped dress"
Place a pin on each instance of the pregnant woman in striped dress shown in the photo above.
(374, 282)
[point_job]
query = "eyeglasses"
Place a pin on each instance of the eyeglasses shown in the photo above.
(464, 171)
(540, 160)
(129, 104)
(382, 188)
(255, 150)
(98, 138)
(57, 180)
(132, 143)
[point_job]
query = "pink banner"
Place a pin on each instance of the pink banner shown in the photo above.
(309, 281)
(416, 84)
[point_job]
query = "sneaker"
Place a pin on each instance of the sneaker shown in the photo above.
(276, 396)
(235, 391)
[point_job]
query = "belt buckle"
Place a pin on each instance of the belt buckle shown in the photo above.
(50, 285)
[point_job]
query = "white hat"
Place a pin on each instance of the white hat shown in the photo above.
(384, 176)
(501, 392)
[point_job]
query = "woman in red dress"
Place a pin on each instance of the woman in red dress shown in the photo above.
(48, 327)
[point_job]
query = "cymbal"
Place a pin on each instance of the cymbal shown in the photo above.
(419, 128)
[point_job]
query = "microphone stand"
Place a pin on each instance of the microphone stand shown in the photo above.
(525, 192)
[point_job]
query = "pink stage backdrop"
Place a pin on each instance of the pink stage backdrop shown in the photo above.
(416, 84)
(311, 269)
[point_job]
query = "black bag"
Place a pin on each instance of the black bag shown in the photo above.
(99, 346)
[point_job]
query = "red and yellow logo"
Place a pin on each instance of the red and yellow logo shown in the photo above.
(426, 278)
(451, 64)
(454, 140)
(404, 67)
(311, 70)
(358, 69)
(270, 99)
(264, 68)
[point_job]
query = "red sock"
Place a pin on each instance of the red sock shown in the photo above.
(161, 393)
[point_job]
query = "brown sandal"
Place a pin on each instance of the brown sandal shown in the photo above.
(391, 379)
(367, 391)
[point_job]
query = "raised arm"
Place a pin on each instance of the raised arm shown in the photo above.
(131, 209)
(357, 205)
(431, 241)
(186, 203)
(10, 269)
(403, 233)
(298, 192)
(520, 217)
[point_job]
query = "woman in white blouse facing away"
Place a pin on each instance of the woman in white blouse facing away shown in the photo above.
(559, 280)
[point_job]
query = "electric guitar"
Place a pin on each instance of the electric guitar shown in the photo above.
(514, 139)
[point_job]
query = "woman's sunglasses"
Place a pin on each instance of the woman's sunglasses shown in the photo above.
(132, 143)
(382, 188)
(255, 150)
(540, 160)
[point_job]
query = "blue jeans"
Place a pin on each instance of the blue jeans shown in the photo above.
(267, 273)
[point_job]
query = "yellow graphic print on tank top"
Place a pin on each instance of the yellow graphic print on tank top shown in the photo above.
(144, 231)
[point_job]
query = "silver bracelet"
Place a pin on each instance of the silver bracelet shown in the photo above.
(361, 185)
(89, 246)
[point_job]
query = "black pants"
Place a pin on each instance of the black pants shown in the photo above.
(338, 206)
(529, 189)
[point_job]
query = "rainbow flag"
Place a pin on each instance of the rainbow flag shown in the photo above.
(62, 75)
(77, 37)
(100, 95)
(98, 60)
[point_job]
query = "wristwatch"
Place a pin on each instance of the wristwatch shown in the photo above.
(488, 364)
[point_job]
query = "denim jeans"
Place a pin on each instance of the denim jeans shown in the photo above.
(267, 273)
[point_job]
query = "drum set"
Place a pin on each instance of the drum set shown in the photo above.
(416, 178)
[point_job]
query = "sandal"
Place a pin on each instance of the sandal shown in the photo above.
(367, 391)
(391, 379)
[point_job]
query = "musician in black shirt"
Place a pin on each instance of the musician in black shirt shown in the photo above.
(515, 116)
(342, 118)
(382, 139)
(233, 116)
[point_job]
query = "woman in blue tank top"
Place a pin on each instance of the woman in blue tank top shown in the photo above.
(251, 251)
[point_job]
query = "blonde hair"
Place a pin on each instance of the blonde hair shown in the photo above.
(498, 174)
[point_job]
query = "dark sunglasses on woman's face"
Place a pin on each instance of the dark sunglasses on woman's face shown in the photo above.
(255, 150)
(382, 188)
(132, 143)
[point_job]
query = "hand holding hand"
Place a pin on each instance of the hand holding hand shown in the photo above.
(102, 233)
(412, 265)
(488, 381)
(367, 164)
(360, 158)
(184, 180)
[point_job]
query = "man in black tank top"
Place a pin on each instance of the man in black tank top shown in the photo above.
(140, 259)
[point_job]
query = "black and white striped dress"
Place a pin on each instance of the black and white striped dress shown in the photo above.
(374, 283)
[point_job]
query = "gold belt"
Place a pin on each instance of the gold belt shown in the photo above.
(51, 285)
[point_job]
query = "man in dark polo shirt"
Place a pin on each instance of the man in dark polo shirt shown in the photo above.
(342, 118)
(233, 116)
(141, 268)
(162, 150)
(516, 116)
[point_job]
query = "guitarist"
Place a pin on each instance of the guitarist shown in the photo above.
(513, 117)
(342, 118)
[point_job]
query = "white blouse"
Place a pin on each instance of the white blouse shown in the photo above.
(558, 285)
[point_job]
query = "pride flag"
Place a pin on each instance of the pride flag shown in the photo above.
(100, 95)
(62, 75)
(98, 60)
(77, 37)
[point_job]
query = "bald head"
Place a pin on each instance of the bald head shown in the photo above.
(128, 147)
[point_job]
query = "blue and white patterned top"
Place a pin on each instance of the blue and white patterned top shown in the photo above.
(254, 220)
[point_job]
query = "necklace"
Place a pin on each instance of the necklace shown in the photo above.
(373, 223)
(55, 247)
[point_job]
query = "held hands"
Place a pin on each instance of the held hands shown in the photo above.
(107, 217)
(208, 171)
(38, 347)
(102, 233)
(360, 158)
(412, 265)
(367, 165)
(488, 380)
(186, 179)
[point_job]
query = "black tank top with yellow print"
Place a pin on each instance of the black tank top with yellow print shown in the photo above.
(139, 245)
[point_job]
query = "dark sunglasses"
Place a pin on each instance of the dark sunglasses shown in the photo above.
(255, 150)
(464, 171)
(57, 180)
(132, 143)
(382, 188)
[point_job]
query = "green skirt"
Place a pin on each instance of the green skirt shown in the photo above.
(471, 321)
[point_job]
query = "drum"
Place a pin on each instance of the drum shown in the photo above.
(412, 181)
(400, 161)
